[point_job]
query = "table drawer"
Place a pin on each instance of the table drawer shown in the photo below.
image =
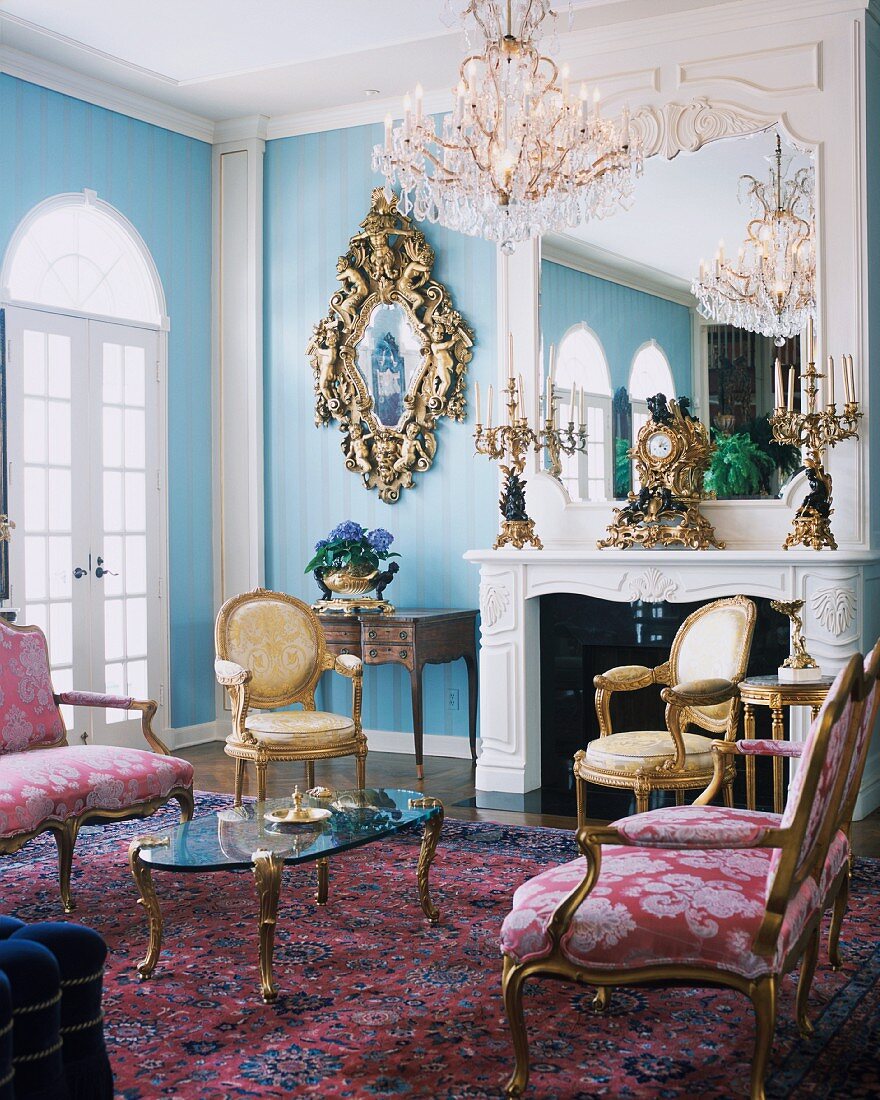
(387, 634)
(380, 654)
(343, 637)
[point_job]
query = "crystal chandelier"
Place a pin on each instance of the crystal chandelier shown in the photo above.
(771, 288)
(518, 155)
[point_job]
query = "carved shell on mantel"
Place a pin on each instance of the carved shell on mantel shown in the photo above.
(494, 602)
(652, 586)
(835, 608)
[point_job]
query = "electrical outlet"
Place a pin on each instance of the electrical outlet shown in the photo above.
(452, 699)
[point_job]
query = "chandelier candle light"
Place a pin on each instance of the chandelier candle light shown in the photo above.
(513, 441)
(771, 288)
(815, 430)
(519, 155)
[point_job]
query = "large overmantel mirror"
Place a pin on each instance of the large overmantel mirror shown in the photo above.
(390, 358)
(616, 304)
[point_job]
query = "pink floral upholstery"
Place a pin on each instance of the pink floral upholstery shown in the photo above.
(769, 747)
(696, 827)
(29, 715)
(95, 699)
(55, 784)
(838, 854)
(653, 907)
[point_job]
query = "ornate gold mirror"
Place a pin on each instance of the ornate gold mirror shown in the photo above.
(390, 358)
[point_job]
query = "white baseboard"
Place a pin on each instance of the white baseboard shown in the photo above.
(435, 744)
(869, 794)
(184, 737)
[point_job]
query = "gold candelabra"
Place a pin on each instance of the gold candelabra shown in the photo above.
(815, 431)
(510, 443)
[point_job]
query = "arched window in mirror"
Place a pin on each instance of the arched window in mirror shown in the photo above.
(581, 362)
(650, 373)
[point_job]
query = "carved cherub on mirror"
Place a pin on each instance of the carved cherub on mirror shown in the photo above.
(390, 358)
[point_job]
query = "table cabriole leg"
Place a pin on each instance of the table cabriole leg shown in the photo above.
(143, 877)
(470, 660)
(267, 872)
(415, 677)
(433, 825)
(323, 881)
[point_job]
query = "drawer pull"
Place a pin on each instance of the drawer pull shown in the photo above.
(403, 635)
(403, 654)
(374, 652)
(344, 652)
(371, 633)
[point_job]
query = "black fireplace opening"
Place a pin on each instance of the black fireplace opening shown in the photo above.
(582, 636)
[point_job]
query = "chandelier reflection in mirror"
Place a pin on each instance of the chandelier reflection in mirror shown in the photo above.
(519, 155)
(771, 288)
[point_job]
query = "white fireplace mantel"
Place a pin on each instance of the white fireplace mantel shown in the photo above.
(840, 591)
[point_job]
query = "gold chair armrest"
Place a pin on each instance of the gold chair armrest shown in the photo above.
(229, 674)
(346, 664)
(624, 678)
(699, 693)
(148, 708)
(721, 750)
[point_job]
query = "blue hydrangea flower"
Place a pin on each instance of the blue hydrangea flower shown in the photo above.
(348, 530)
(380, 540)
(321, 543)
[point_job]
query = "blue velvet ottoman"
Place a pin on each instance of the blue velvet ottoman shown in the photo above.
(78, 954)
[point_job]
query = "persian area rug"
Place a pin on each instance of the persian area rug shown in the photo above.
(376, 1003)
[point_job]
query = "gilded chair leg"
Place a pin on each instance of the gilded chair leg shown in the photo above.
(763, 994)
(239, 782)
(805, 982)
(187, 804)
(603, 998)
(361, 771)
(323, 881)
(841, 902)
(643, 800)
(727, 794)
(580, 786)
(261, 780)
(512, 986)
(65, 839)
(679, 798)
(310, 774)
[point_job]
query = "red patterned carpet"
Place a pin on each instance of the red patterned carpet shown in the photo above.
(375, 1003)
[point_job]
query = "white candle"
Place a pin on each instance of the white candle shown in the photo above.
(565, 75)
(596, 98)
(852, 379)
(459, 102)
(849, 376)
(585, 101)
(574, 391)
(790, 401)
(583, 410)
(552, 364)
(419, 94)
(388, 133)
(489, 409)
(522, 396)
(830, 380)
(778, 384)
(407, 114)
(510, 355)
(477, 396)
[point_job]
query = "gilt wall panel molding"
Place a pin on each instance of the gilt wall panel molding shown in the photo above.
(783, 70)
(675, 127)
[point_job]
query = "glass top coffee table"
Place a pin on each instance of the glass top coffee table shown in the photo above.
(241, 837)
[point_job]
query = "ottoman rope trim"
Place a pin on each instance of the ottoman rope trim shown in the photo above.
(83, 981)
(37, 1007)
(38, 1054)
(83, 1026)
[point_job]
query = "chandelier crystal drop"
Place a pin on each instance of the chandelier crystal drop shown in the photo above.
(771, 288)
(520, 154)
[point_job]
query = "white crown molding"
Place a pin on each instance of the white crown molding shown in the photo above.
(241, 129)
(58, 78)
(593, 260)
(352, 114)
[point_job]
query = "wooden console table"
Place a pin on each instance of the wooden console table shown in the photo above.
(412, 639)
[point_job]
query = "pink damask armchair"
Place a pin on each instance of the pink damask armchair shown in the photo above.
(697, 895)
(47, 785)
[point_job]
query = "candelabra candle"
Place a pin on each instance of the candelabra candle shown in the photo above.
(815, 431)
(509, 444)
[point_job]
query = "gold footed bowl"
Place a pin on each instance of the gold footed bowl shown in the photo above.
(351, 581)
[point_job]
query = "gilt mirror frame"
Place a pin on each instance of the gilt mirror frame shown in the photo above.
(389, 263)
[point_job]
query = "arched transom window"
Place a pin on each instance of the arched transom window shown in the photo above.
(581, 363)
(650, 373)
(75, 254)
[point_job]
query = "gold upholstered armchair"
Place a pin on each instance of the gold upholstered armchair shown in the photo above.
(271, 653)
(708, 659)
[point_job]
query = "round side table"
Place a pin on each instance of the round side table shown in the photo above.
(769, 691)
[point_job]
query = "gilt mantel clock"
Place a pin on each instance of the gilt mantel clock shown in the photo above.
(671, 454)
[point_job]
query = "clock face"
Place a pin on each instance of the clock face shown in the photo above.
(659, 445)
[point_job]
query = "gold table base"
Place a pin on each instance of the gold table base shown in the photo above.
(267, 875)
(772, 693)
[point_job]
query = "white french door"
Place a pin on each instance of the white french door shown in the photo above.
(84, 488)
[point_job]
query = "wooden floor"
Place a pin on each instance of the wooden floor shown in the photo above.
(452, 781)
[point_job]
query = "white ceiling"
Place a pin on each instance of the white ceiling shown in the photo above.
(223, 59)
(682, 207)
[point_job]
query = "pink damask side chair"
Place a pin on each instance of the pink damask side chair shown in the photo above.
(47, 785)
(697, 895)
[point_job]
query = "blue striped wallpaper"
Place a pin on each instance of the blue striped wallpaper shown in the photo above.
(622, 318)
(161, 182)
(317, 191)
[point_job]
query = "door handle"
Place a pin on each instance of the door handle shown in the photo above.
(79, 572)
(100, 571)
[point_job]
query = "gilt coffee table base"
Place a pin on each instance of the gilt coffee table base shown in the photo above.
(267, 867)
